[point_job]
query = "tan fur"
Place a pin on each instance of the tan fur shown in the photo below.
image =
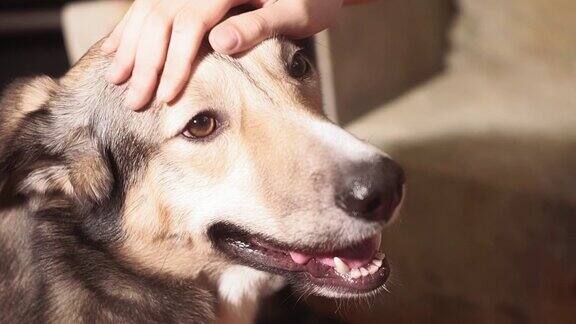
(47, 179)
(154, 237)
(267, 142)
(66, 295)
(12, 221)
(36, 93)
(88, 176)
(27, 96)
(272, 169)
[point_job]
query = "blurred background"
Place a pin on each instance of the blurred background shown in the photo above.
(476, 99)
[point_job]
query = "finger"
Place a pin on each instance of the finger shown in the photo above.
(243, 31)
(291, 18)
(124, 60)
(112, 42)
(150, 55)
(188, 31)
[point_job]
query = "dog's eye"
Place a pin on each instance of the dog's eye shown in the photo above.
(202, 125)
(299, 67)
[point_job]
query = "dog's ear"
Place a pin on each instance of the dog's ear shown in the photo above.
(20, 99)
(42, 150)
(79, 171)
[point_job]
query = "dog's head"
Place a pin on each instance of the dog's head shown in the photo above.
(243, 168)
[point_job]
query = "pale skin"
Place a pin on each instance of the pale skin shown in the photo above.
(157, 40)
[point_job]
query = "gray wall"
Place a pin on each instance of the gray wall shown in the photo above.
(381, 49)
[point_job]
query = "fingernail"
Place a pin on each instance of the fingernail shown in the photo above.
(224, 38)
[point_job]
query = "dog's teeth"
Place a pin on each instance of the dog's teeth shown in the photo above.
(364, 272)
(372, 269)
(340, 266)
(355, 274)
(377, 262)
(380, 256)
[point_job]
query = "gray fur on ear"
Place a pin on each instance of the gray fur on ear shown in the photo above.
(22, 97)
(85, 176)
(47, 179)
(45, 153)
(90, 175)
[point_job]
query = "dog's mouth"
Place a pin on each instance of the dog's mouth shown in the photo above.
(355, 270)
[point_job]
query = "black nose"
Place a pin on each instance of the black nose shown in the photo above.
(372, 190)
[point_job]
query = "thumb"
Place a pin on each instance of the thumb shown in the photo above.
(244, 31)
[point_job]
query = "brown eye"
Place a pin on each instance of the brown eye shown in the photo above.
(299, 67)
(202, 125)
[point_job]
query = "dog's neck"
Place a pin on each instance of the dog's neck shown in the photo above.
(166, 250)
(240, 290)
(230, 296)
(85, 280)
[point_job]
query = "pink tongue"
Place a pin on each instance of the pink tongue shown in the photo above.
(355, 257)
(300, 258)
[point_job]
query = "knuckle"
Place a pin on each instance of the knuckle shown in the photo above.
(302, 11)
(158, 19)
(259, 24)
(185, 22)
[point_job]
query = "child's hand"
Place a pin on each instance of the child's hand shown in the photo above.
(157, 40)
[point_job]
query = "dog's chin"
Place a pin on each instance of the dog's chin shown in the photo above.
(357, 270)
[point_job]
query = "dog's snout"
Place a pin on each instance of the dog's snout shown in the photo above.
(372, 190)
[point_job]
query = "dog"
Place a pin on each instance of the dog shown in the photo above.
(190, 211)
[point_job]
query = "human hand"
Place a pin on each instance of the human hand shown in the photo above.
(157, 40)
